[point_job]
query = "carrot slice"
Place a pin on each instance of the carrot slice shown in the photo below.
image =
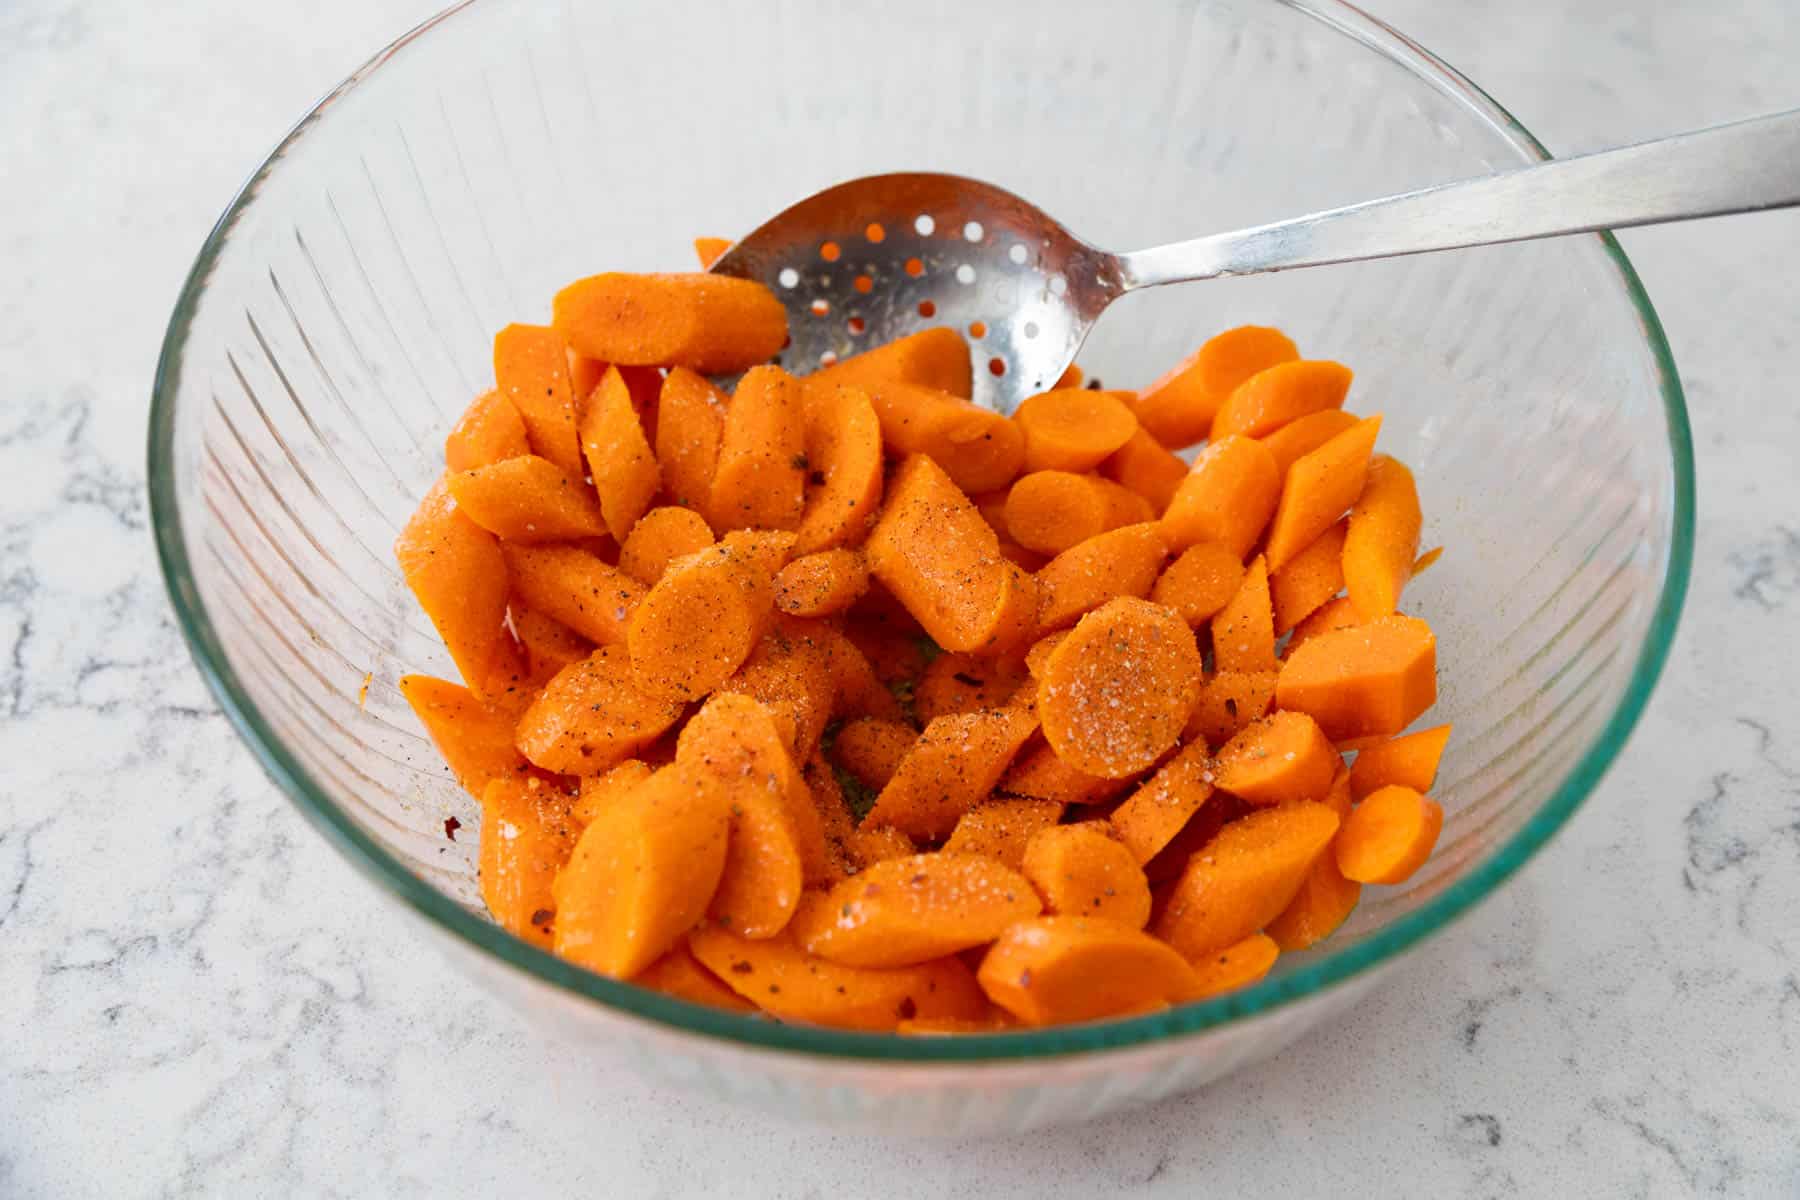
(792, 985)
(489, 431)
(1323, 903)
(843, 455)
(526, 837)
(932, 358)
(1227, 498)
(1279, 758)
(458, 573)
(1389, 835)
(1150, 817)
(1079, 871)
(1178, 409)
(600, 792)
(1236, 966)
(1201, 581)
(955, 763)
(1148, 468)
(790, 672)
(1310, 578)
(760, 479)
(1054, 970)
(1244, 877)
(584, 377)
(1369, 679)
(618, 454)
(1424, 561)
(1243, 632)
(527, 499)
(679, 974)
(700, 622)
(1331, 615)
(1382, 539)
(709, 250)
(575, 588)
(858, 691)
(836, 821)
(1119, 562)
(906, 911)
(1050, 511)
(822, 584)
(591, 716)
(867, 845)
(873, 750)
(1116, 692)
(1279, 394)
(959, 683)
(1000, 828)
(1317, 490)
(977, 447)
(992, 1021)
(549, 644)
(1410, 761)
(475, 740)
(1298, 438)
(1220, 810)
(1230, 700)
(690, 424)
(642, 874)
(1039, 774)
(531, 367)
(1074, 429)
(1038, 657)
(661, 536)
(712, 324)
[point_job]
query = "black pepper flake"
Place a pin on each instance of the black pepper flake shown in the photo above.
(451, 825)
(774, 989)
(799, 462)
(742, 968)
(1025, 978)
(542, 917)
(817, 479)
(1093, 385)
(967, 680)
(907, 1010)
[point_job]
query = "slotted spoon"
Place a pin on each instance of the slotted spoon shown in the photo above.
(867, 261)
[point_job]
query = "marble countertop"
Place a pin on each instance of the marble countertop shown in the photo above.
(194, 1001)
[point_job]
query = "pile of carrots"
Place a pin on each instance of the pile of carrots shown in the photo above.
(846, 700)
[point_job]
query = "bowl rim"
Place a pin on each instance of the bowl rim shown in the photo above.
(1332, 968)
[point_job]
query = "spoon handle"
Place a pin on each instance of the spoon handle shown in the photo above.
(1741, 167)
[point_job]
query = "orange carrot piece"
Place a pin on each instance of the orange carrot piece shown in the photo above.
(526, 837)
(576, 588)
(790, 672)
(1117, 691)
(1040, 775)
(1202, 580)
(1119, 562)
(690, 425)
(1050, 511)
(1038, 656)
(993, 1021)
(1178, 409)
(992, 507)
(1424, 561)
(618, 454)
(959, 683)
(1324, 901)
(932, 358)
(709, 250)
(843, 456)
(531, 367)
(1148, 468)
(822, 584)
(1227, 498)
(977, 447)
(1150, 817)
(1279, 758)
(1000, 828)
(760, 480)
(1389, 835)
(527, 499)
(858, 691)
(792, 985)
(1079, 871)
(1331, 615)
(549, 644)
(1166, 866)
(661, 536)
(894, 650)
(1382, 539)
(591, 716)
(1317, 490)
(1410, 761)
(1309, 580)
(1230, 700)
(1279, 394)
(1123, 506)
(584, 377)
(1301, 437)
(1236, 966)
(1243, 632)
(642, 874)
(476, 741)
(1055, 970)
(906, 911)
(955, 763)
(1071, 377)
(679, 974)
(1244, 877)
(1074, 429)
(700, 622)
(939, 558)
(458, 573)
(601, 792)
(868, 845)
(873, 750)
(489, 430)
(712, 324)
(836, 822)
(1369, 679)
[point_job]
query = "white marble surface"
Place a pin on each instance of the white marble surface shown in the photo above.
(194, 999)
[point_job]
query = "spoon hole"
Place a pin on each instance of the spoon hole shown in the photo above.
(977, 329)
(1058, 284)
(927, 309)
(1018, 254)
(966, 274)
(973, 231)
(830, 251)
(915, 267)
(821, 307)
(875, 233)
(996, 366)
(1031, 329)
(863, 284)
(924, 225)
(857, 325)
(828, 358)
(789, 277)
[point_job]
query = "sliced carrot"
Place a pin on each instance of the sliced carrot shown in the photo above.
(1244, 877)
(1227, 498)
(709, 250)
(1071, 377)
(954, 765)
(1178, 409)
(959, 683)
(527, 500)
(549, 644)
(489, 431)
(939, 558)
(1310, 579)
(1201, 581)
(1280, 758)
(843, 457)
(977, 447)
(993, 1021)
(822, 584)
(458, 573)
(661, 536)
(1323, 903)
(1279, 394)
(880, 612)
(1116, 692)
(906, 911)
(1331, 615)
(1150, 817)
(760, 479)
(575, 588)
(700, 622)
(895, 653)
(526, 837)
(1119, 562)
(1410, 761)
(992, 507)
(1301, 437)
(591, 716)
(1073, 429)
(1243, 632)
(531, 368)
(1230, 700)
(679, 974)
(1374, 678)
(690, 424)
(1148, 468)
(712, 324)
(1220, 810)
(857, 690)
(763, 552)
(1317, 490)
(1050, 511)
(1124, 506)
(1389, 835)
(600, 792)
(836, 821)
(932, 358)
(869, 845)
(1236, 966)
(1382, 539)
(475, 740)
(1424, 561)
(1040, 775)
(1053, 970)
(790, 672)
(1079, 871)
(1038, 657)
(1000, 828)
(584, 377)
(618, 454)
(792, 985)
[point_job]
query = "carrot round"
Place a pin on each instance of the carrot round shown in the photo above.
(690, 424)
(868, 845)
(1382, 539)
(661, 536)
(1148, 468)
(1079, 871)
(1150, 817)
(1236, 966)
(789, 671)
(1389, 835)
(1410, 761)
(591, 716)
(575, 588)
(1369, 679)
(1119, 562)
(527, 499)
(1279, 394)
(549, 644)
(700, 622)
(954, 765)
(1000, 828)
(1039, 774)
(932, 358)
(822, 584)
(977, 447)
(531, 370)
(1279, 758)
(679, 974)
(489, 431)
(1054, 970)
(1075, 429)
(760, 479)
(1230, 700)
(600, 792)
(1317, 490)
(1243, 632)
(1301, 437)
(959, 683)
(1310, 579)
(526, 837)
(911, 910)
(458, 573)
(1123, 506)
(475, 740)
(1227, 498)
(1117, 690)
(843, 457)
(712, 324)
(1201, 581)
(618, 454)
(708, 250)
(1178, 409)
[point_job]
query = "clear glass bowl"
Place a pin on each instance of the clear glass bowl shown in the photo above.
(339, 318)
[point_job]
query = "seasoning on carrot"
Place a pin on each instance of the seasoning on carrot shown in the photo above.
(1382, 538)
(977, 447)
(1053, 970)
(1243, 632)
(954, 765)
(1001, 828)
(1079, 871)
(1236, 966)
(690, 425)
(576, 588)
(712, 324)
(822, 584)
(549, 644)
(759, 481)
(906, 911)
(527, 499)
(1074, 429)
(1039, 774)
(1119, 562)
(1178, 409)
(659, 537)
(1227, 498)
(618, 454)
(700, 622)
(1150, 817)
(1279, 758)
(591, 716)
(531, 370)
(489, 430)
(1230, 700)
(843, 461)
(1117, 691)
(526, 837)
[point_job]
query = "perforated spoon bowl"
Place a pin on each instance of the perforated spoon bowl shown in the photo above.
(873, 259)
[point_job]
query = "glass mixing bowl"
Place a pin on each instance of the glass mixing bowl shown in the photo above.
(340, 316)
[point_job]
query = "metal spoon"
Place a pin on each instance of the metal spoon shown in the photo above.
(876, 258)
